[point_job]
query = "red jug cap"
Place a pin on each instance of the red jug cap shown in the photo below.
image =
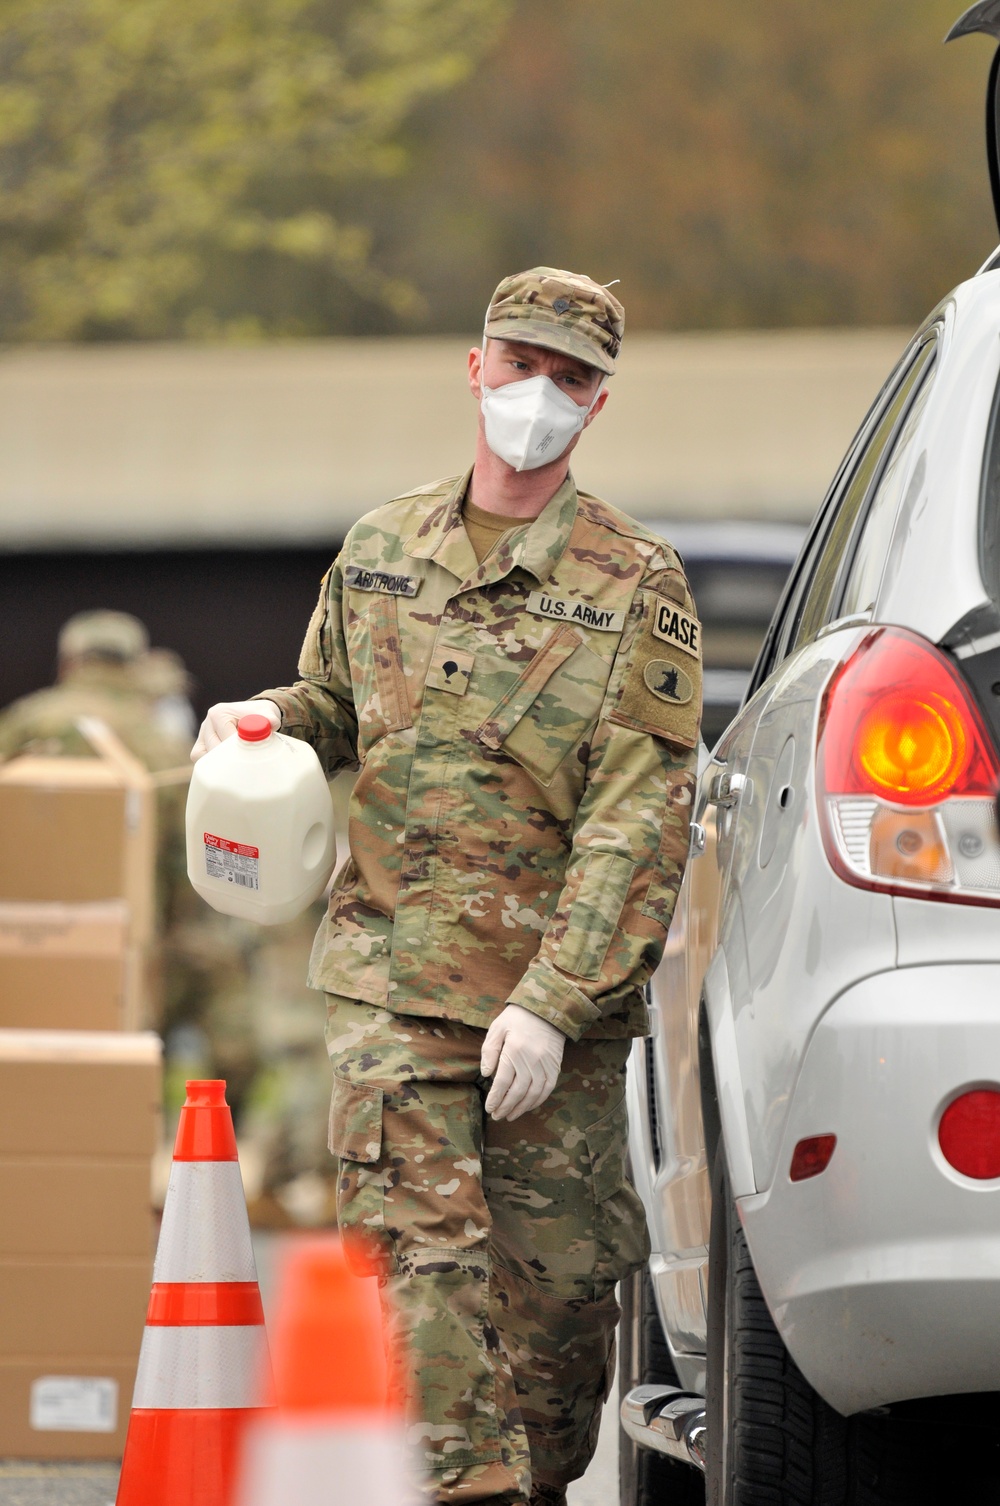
(254, 728)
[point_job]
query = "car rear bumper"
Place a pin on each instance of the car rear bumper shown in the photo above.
(883, 1272)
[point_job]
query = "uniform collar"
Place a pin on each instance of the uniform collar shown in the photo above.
(536, 547)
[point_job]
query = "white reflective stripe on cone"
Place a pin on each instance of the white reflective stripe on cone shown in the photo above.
(289, 1459)
(210, 1366)
(205, 1235)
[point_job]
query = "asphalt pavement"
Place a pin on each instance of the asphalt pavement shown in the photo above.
(57, 1484)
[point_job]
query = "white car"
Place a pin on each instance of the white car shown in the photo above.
(815, 1121)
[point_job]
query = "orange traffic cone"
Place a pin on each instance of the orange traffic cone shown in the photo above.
(203, 1351)
(336, 1433)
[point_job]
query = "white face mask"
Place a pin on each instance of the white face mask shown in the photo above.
(530, 423)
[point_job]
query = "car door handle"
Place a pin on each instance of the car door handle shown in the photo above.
(726, 789)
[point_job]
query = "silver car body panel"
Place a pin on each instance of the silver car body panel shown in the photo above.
(805, 982)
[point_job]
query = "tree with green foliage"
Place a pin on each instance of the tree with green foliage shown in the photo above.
(177, 167)
(733, 162)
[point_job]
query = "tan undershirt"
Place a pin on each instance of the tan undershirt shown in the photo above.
(486, 529)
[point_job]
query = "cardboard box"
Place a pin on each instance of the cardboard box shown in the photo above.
(75, 1093)
(77, 888)
(79, 1121)
(63, 830)
(75, 1207)
(64, 966)
(72, 1310)
(90, 1400)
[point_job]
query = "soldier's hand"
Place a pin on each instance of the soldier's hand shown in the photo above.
(221, 720)
(526, 1053)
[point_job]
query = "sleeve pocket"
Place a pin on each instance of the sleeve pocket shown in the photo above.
(355, 1121)
(387, 657)
(594, 914)
(315, 657)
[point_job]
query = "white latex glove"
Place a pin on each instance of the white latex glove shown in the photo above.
(221, 720)
(526, 1053)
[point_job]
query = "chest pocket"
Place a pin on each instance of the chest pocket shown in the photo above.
(377, 659)
(550, 707)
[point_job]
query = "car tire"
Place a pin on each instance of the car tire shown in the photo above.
(770, 1435)
(647, 1478)
(772, 1438)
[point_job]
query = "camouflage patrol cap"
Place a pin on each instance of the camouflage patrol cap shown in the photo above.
(104, 635)
(562, 311)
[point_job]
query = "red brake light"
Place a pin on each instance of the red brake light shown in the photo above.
(900, 724)
(969, 1134)
(811, 1156)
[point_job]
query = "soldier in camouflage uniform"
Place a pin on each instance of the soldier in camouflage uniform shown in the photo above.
(98, 656)
(515, 667)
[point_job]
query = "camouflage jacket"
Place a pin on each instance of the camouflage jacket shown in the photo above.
(525, 732)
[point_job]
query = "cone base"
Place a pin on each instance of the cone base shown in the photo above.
(174, 1457)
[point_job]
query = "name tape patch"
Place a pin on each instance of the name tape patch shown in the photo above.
(671, 625)
(361, 579)
(565, 609)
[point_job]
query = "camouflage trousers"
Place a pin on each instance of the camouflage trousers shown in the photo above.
(502, 1243)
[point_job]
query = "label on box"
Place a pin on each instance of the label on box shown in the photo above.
(232, 861)
(74, 1404)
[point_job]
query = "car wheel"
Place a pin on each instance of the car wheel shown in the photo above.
(772, 1438)
(647, 1478)
(770, 1435)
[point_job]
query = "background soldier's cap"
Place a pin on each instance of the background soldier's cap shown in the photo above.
(161, 672)
(562, 311)
(104, 635)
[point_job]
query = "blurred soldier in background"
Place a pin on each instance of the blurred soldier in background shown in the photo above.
(162, 676)
(99, 653)
(230, 997)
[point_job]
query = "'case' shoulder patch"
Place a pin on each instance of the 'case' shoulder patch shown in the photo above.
(676, 627)
(660, 691)
(360, 579)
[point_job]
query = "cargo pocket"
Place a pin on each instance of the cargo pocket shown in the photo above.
(355, 1138)
(381, 697)
(621, 1238)
(551, 706)
(594, 914)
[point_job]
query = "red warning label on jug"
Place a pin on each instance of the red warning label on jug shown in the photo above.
(233, 862)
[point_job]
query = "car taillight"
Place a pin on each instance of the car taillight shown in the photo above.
(907, 774)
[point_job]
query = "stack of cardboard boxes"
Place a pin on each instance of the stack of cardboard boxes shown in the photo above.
(79, 1097)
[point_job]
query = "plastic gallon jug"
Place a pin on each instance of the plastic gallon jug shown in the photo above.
(260, 837)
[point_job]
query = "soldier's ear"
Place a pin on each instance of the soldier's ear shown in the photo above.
(595, 410)
(476, 372)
